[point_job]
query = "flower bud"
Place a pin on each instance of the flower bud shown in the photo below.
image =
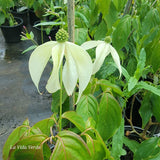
(61, 35)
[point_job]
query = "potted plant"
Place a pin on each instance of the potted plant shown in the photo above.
(11, 26)
(90, 115)
(53, 18)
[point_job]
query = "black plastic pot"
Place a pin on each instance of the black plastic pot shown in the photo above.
(23, 14)
(12, 33)
(41, 35)
(32, 17)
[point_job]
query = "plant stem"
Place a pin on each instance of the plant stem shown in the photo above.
(127, 8)
(42, 34)
(61, 94)
(71, 20)
(71, 30)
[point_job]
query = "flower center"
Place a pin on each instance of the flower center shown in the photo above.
(108, 39)
(61, 35)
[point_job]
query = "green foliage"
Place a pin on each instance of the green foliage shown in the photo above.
(121, 33)
(117, 142)
(76, 119)
(149, 149)
(87, 107)
(96, 125)
(70, 146)
(13, 138)
(103, 6)
(28, 148)
(81, 35)
(109, 118)
(146, 109)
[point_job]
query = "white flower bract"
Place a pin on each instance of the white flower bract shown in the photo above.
(102, 50)
(78, 66)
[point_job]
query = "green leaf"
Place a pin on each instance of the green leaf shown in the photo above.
(131, 144)
(87, 107)
(146, 109)
(44, 125)
(107, 85)
(131, 65)
(103, 6)
(144, 85)
(49, 24)
(76, 119)
(101, 31)
(26, 122)
(153, 52)
(119, 4)
(151, 20)
(2, 18)
(29, 49)
(70, 146)
(117, 142)
(125, 73)
(13, 138)
(107, 69)
(109, 118)
(111, 17)
(28, 148)
(82, 17)
(141, 64)
(155, 103)
(81, 35)
(132, 83)
(96, 148)
(121, 33)
(147, 149)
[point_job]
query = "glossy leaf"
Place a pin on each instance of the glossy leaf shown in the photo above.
(87, 107)
(121, 33)
(117, 142)
(119, 4)
(44, 125)
(103, 6)
(70, 146)
(13, 138)
(96, 148)
(81, 35)
(28, 148)
(76, 119)
(101, 31)
(131, 144)
(147, 149)
(132, 83)
(29, 49)
(111, 17)
(146, 109)
(148, 87)
(151, 20)
(153, 50)
(109, 118)
(107, 85)
(141, 64)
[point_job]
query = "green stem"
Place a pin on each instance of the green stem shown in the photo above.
(42, 34)
(61, 94)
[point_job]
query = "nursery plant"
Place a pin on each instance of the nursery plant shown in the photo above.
(5, 15)
(112, 68)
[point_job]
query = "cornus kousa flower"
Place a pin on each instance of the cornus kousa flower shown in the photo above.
(103, 49)
(78, 64)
